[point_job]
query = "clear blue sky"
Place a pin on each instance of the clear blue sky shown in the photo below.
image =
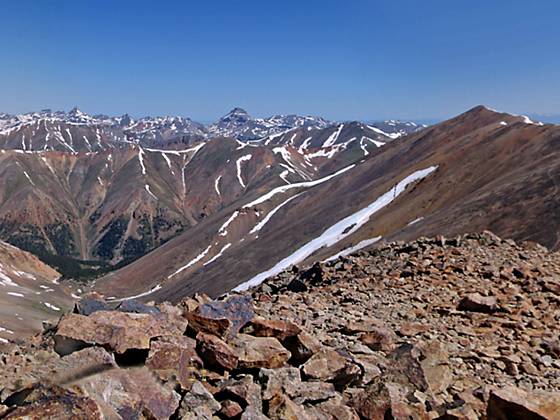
(340, 59)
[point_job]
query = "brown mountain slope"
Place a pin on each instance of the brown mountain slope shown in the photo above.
(115, 205)
(29, 294)
(493, 171)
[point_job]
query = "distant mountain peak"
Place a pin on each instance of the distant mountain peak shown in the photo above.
(237, 114)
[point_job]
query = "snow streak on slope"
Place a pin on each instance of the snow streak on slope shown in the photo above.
(285, 188)
(149, 292)
(141, 160)
(222, 231)
(217, 185)
(264, 221)
(238, 164)
(339, 230)
(218, 255)
(191, 262)
(333, 137)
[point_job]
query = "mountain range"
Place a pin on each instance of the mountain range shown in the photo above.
(76, 131)
(156, 217)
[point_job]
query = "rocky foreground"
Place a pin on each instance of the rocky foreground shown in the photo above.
(462, 328)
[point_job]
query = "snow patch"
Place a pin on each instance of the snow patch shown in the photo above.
(339, 230)
(264, 221)
(222, 231)
(218, 255)
(284, 188)
(149, 292)
(191, 262)
(238, 164)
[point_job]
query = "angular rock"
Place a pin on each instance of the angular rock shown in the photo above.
(118, 330)
(54, 402)
(330, 366)
(382, 400)
(175, 357)
(302, 347)
(198, 403)
(133, 391)
(282, 408)
(281, 330)
(242, 390)
(474, 302)
(514, 403)
(222, 318)
(379, 339)
(215, 352)
(87, 306)
(259, 352)
(134, 306)
(230, 409)
(252, 413)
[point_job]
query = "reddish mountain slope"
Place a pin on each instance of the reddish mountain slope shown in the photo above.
(29, 294)
(494, 171)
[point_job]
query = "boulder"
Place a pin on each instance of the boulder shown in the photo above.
(379, 338)
(514, 403)
(330, 366)
(302, 347)
(119, 331)
(198, 403)
(86, 306)
(215, 352)
(54, 402)
(282, 408)
(243, 391)
(175, 358)
(135, 391)
(222, 318)
(281, 330)
(259, 352)
(474, 302)
(134, 306)
(230, 409)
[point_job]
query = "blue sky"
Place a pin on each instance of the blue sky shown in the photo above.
(352, 59)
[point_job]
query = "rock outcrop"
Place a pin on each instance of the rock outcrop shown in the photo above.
(464, 328)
